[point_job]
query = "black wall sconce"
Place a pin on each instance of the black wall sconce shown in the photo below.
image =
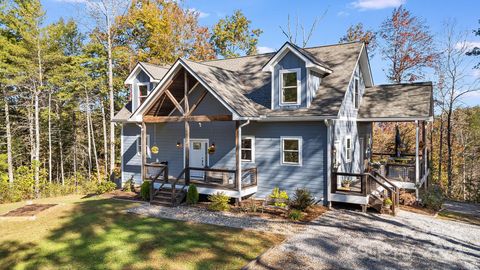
(212, 148)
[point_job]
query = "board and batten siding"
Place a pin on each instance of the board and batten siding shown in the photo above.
(289, 61)
(131, 161)
(141, 77)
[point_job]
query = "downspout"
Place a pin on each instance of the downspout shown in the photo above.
(239, 177)
(328, 124)
(141, 157)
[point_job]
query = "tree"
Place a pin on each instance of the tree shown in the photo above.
(233, 36)
(475, 51)
(408, 46)
(453, 67)
(161, 31)
(291, 33)
(359, 33)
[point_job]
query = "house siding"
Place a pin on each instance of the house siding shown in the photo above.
(141, 77)
(289, 61)
(131, 161)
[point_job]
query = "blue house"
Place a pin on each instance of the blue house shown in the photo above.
(295, 118)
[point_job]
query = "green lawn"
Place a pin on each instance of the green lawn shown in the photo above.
(96, 233)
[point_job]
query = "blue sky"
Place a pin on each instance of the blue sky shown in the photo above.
(338, 15)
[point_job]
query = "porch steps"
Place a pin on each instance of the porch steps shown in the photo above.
(164, 197)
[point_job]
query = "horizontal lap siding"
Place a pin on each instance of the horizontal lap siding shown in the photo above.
(131, 161)
(271, 173)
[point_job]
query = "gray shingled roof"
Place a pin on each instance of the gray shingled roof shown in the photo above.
(407, 100)
(124, 113)
(157, 72)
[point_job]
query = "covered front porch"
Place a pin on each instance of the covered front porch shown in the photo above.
(188, 136)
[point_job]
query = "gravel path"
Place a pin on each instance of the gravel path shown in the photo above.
(343, 239)
(200, 215)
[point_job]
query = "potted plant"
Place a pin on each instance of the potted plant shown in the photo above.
(346, 183)
(387, 203)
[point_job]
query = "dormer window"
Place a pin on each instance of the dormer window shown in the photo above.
(356, 93)
(142, 92)
(290, 87)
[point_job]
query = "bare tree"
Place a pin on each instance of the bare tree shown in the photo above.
(291, 33)
(9, 137)
(455, 67)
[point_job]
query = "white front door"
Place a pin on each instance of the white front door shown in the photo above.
(198, 156)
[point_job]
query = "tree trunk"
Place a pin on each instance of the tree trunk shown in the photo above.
(110, 89)
(440, 150)
(60, 146)
(37, 117)
(105, 142)
(49, 137)
(89, 147)
(74, 123)
(449, 150)
(94, 149)
(9, 138)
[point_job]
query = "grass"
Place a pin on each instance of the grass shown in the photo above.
(450, 215)
(96, 233)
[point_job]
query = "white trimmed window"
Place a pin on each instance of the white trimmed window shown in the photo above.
(348, 148)
(143, 89)
(139, 145)
(248, 149)
(291, 150)
(356, 92)
(290, 86)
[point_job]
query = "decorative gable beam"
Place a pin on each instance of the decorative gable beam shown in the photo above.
(174, 101)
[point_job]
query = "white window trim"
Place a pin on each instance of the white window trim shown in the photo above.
(348, 137)
(252, 149)
(138, 91)
(299, 86)
(300, 150)
(139, 141)
(356, 82)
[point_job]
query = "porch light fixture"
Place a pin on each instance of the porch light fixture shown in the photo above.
(179, 145)
(211, 148)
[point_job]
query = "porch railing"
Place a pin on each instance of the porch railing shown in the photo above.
(225, 178)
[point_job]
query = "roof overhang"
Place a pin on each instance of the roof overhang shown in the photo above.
(396, 119)
(137, 69)
(287, 47)
(137, 116)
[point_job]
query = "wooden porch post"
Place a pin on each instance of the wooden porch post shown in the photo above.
(417, 161)
(238, 172)
(143, 142)
(187, 128)
(425, 151)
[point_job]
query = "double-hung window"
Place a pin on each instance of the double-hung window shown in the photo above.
(139, 145)
(248, 149)
(290, 86)
(356, 92)
(348, 148)
(291, 150)
(142, 92)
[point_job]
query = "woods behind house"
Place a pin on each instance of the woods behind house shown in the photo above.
(62, 82)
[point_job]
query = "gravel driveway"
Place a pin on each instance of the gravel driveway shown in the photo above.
(344, 239)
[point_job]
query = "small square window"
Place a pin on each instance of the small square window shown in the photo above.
(292, 150)
(248, 149)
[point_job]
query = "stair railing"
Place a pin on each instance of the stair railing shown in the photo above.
(390, 190)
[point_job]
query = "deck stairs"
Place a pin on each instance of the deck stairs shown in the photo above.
(169, 192)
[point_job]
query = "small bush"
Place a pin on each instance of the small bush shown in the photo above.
(129, 185)
(279, 197)
(302, 199)
(387, 202)
(145, 191)
(433, 198)
(192, 195)
(295, 215)
(407, 198)
(105, 186)
(219, 202)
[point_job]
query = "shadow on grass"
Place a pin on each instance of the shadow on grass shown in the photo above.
(98, 234)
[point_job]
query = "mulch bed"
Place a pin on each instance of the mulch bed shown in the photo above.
(124, 195)
(418, 210)
(28, 210)
(246, 207)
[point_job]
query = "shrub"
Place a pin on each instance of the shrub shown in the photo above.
(105, 186)
(387, 202)
(433, 198)
(192, 195)
(279, 197)
(219, 202)
(302, 199)
(407, 198)
(295, 215)
(145, 190)
(129, 185)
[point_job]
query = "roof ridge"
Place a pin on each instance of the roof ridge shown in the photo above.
(406, 83)
(147, 63)
(237, 57)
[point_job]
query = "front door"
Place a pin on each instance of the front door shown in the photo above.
(198, 156)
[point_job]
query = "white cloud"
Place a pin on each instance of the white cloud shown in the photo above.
(201, 14)
(476, 73)
(343, 14)
(467, 45)
(264, 49)
(376, 4)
